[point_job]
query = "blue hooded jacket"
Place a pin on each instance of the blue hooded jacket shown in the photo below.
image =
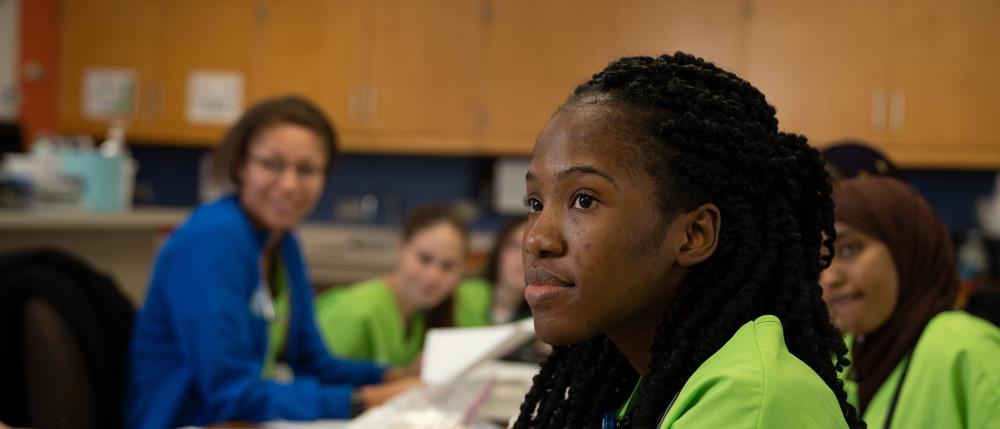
(198, 349)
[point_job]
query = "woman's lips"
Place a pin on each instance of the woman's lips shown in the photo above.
(536, 276)
(544, 286)
(538, 294)
(844, 300)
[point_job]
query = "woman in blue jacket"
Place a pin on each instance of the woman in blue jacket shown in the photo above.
(230, 300)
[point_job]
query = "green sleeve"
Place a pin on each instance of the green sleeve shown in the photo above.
(362, 321)
(344, 331)
(850, 386)
(472, 303)
(753, 381)
(953, 379)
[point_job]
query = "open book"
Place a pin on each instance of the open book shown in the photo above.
(451, 352)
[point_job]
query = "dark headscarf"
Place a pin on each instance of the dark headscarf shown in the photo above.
(893, 213)
(850, 158)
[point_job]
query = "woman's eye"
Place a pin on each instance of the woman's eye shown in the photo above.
(583, 201)
(848, 250)
(533, 205)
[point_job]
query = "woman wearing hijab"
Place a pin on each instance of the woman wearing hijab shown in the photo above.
(891, 287)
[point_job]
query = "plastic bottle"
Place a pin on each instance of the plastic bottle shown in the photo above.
(111, 187)
(972, 257)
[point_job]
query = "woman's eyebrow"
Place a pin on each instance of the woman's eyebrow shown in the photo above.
(580, 169)
(845, 232)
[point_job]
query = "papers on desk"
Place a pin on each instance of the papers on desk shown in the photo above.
(317, 424)
(451, 352)
(490, 393)
(281, 424)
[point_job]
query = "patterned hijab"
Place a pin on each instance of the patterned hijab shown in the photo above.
(893, 213)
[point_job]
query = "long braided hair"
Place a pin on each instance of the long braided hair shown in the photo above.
(705, 135)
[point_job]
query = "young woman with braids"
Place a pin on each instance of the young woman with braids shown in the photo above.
(672, 256)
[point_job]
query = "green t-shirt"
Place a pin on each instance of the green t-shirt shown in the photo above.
(277, 329)
(472, 303)
(363, 321)
(753, 381)
(953, 381)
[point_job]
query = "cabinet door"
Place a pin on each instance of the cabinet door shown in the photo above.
(213, 35)
(822, 65)
(425, 75)
(537, 52)
(314, 48)
(945, 90)
(711, 29)
(105, 33)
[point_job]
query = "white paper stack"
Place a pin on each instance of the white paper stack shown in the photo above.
(451, 352)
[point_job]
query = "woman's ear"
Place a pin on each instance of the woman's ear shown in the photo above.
(700, 230)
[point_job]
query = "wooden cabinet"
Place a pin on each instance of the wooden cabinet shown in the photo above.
(318, 50)
(395, 75)
(106, 33)
(711, 29)
(823, 65)
(194, 36)
(537, 52)
(914, 77)
(425, 75)
(945, 93)
(473, 77)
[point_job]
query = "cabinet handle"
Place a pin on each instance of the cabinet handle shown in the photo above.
(897, 110)
(354, 104)
(372, 104)
(363, 103)
(879, 106)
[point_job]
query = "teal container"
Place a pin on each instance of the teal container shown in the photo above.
(102, 179)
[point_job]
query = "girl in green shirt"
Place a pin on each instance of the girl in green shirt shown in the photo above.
(503, 276)
(672, 256)
(384, 319)
(891, 287)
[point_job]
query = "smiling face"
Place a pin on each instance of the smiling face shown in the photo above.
(430, 265)
(282, 176)
(861, 286)
(599, 255)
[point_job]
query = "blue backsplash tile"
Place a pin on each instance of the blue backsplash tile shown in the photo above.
(168, 176)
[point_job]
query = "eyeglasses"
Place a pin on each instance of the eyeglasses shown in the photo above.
(277, 167)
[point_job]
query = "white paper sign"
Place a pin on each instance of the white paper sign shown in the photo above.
(214, 97)
(508, 185)
(108, 93)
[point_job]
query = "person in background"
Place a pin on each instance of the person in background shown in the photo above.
(385, 318)
(850, 158)
(230, 303)
(892, 286)
(501, 289)
(672, 257)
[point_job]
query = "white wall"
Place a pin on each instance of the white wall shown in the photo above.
(10, 41)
